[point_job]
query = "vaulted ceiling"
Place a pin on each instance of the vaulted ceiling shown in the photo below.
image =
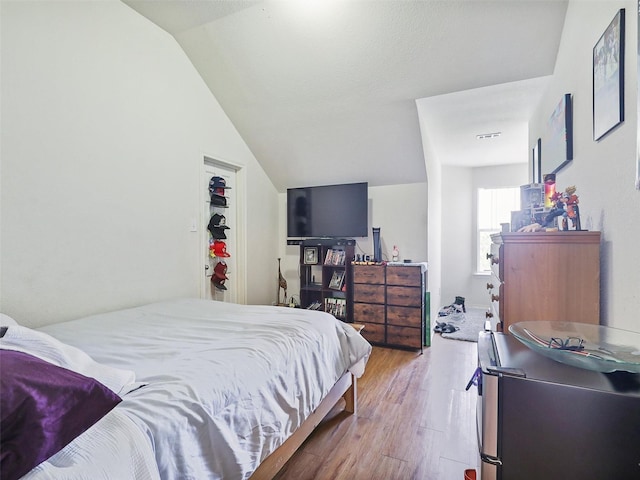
(331, 91)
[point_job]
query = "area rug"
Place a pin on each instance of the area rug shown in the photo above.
(469, 324)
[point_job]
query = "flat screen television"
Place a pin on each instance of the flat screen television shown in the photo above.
(339, 211)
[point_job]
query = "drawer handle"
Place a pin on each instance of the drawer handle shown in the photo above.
(495, 298)
(488, 315)
(489, 286)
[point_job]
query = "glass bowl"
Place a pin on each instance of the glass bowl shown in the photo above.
(594, 347)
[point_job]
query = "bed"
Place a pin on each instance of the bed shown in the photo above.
(215, 390)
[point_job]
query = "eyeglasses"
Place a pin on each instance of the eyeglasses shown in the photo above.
(569, 343)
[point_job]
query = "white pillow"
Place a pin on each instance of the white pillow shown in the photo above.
(6, 320)
(49, 349)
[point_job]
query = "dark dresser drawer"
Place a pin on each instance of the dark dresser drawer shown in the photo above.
(363, 292)
(368, 274)
(404, 316)
(404, 296)
(368, 312)
(374, 332)
(405, 336)
(409, 276)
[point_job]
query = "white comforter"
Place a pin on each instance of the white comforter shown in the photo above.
(113, 448)
(225, 384)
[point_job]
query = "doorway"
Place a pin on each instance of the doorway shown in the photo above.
(222, 233)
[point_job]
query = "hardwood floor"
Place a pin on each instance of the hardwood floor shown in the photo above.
(415, 421)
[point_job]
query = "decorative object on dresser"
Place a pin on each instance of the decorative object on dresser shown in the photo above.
(390, 300)
(552, 276)
(325, 283)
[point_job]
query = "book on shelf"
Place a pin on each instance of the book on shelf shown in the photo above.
(314, 306)
(334, 257)
(335, 306)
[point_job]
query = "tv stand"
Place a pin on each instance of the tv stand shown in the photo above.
(325, 276)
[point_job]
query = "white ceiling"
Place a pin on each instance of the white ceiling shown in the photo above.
(330, 91)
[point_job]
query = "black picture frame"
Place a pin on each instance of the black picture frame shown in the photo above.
(310, 255)
(336, 280)
(535, 161)
(638, 108)
(608, 78)
(558, 150)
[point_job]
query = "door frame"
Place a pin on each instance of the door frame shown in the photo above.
(240, 248)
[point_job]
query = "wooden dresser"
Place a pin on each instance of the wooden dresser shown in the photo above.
(553, 276)
(389, 300)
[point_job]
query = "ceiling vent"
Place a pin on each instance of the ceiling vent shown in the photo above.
(484, 136)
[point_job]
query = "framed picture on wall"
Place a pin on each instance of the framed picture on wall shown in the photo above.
(558, 147)
(638, 109)
(535, 162)
(608, 78)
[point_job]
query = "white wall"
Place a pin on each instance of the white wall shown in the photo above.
(458, 239)
(105, 124)
(399, 210)
(434, 219)
(604, 172)
(459, 226)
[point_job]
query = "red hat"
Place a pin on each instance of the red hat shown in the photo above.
(220, 249)
(220, 270)
(218, 283)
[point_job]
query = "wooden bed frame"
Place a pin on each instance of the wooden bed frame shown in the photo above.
(345, 387)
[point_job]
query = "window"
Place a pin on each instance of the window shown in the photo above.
(494, 207)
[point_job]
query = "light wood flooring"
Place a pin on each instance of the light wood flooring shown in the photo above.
(415, 421)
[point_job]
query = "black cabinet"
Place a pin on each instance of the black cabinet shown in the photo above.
(325, 276)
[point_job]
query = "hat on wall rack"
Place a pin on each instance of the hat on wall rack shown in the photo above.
(220, 270)
(218, 200)
(218, 221)
(220, 249)
(217, 182)
(217, 185)
(218, 282)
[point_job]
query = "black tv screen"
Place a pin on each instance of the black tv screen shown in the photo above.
(328, 211)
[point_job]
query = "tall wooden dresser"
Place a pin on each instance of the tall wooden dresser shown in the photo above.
(389, 300)
(552, 276)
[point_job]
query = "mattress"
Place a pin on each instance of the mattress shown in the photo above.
(219, 386)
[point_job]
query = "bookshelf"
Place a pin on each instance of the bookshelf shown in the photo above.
(325, 276)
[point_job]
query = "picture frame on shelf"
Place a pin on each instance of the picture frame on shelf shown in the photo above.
(336, 280)
(310, 255)
(608, 78)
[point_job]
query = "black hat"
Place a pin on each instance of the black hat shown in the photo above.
(217, 227)
(218, 221)
(217, 233)
(218, 200)
(217, 182)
